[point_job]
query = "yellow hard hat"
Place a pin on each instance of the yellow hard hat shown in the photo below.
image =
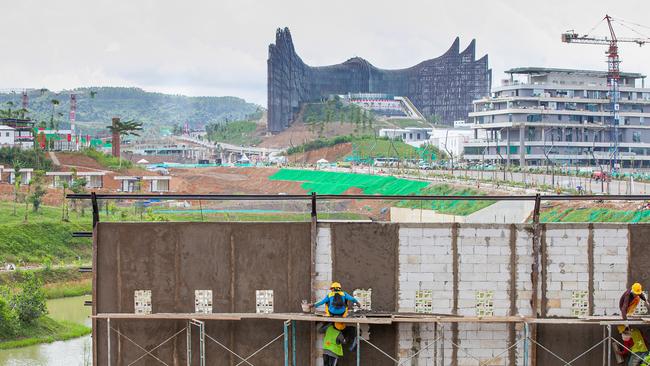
(335, 285)
(339, 326)
(637, 289)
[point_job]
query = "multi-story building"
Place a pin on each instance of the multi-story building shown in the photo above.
(543, 116)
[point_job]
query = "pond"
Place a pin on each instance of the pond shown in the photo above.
(74, 352)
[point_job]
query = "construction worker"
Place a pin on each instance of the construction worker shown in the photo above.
(630, 299)
(336, 301)
(636, 347)
(333, 342)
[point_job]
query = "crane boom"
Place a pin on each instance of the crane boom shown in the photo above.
(613, 76)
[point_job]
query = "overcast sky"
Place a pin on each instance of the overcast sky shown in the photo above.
(219, 47)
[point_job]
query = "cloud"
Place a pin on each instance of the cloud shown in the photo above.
(204, 47)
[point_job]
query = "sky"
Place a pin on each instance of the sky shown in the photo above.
(220, 47)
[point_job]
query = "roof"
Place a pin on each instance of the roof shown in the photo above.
(3, 127)
(547, 70)
(59, 173)
(91, 173)
(157, 177)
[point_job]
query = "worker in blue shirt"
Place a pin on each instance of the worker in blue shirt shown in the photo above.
(336, 301)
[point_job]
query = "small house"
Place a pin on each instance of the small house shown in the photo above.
(7, 136)
(158, 183)
(128, 183)
(25, 176)
(60, 178)
(94, 179)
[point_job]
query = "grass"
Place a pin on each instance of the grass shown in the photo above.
(68, 289)
(107, 160)
(407, 122)
(58, 282)
(43, 237)
(236, 133)
(45, 330)
(456, 207)
(593, 215)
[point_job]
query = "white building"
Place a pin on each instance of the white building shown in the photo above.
(158, 183)
(59, 178)
(451, 140)
(7, 136)
(25, 176)
(93, 179)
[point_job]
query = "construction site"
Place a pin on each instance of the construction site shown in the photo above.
(234, 293)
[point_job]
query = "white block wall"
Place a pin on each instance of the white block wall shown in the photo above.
(610, 268)
(425, 263)
(323, 268)
(567, 268)
(484, 265)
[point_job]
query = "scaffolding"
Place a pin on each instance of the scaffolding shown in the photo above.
(195, 322)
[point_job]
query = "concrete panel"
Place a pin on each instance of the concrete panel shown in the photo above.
(568, 342)
(365, 255)
(175, 259)
(639, 271)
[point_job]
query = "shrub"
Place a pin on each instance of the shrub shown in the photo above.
(9, 323)
(29, 301)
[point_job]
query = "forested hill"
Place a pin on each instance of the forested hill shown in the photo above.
(99, 105)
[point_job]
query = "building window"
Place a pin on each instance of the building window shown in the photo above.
(636, 136)
(510, 117)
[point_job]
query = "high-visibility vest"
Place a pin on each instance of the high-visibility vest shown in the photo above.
(639, 344)
(329, 342)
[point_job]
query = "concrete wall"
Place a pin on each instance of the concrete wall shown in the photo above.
(453, 264)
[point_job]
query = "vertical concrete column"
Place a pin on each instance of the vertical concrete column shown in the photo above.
(522, 145)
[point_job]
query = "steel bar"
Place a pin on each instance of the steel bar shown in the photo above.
(189, 342)
(304, 197)
(609, 349)
(108, 340)
(286, 342)
(293, 343)
(82, 234)
(358, 344)
(525, 344)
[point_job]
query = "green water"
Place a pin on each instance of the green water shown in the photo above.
(74, 352)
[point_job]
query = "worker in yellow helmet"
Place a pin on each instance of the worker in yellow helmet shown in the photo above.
(630, 299)
(333, 342)
(336, 301)
(635, 347)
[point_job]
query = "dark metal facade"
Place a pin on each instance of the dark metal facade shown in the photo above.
(443, 86)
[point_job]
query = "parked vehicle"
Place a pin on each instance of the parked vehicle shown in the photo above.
(600, 175)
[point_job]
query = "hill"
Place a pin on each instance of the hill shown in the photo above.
(96, 107)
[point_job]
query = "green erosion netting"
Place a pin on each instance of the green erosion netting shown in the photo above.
(455, 207)
(337, 183)
(594, 215)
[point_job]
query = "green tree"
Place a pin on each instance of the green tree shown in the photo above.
(78, 186)
(64, 206)
(17, 178)
(55, 103)
(37, 189)
(29, 301)
(9, 322)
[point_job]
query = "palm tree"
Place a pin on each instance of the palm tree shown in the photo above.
(54, 103)
(127, 128)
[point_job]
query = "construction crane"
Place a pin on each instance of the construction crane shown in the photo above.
(613, 71)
